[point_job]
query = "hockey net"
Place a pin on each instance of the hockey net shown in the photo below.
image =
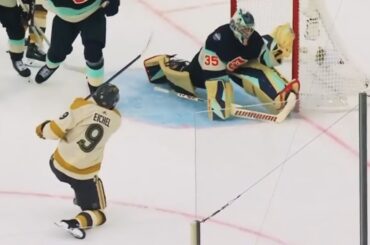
(329, 80)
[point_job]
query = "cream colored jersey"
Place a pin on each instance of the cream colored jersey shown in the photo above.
(83, 132)
(8, 3)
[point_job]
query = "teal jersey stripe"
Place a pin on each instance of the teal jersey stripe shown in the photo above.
(72, 12)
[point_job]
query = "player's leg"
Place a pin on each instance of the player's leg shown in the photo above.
(93, 35)
(265, 83)
(11, 20)
(166, 69)
(63, 35)
(89, 196)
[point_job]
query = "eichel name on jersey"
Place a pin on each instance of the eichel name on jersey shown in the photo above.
(83, 132)
(101, 119)
(223, 53)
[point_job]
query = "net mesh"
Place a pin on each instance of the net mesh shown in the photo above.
(328, 77)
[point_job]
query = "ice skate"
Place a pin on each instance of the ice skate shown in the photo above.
(73, 227)
(44, 73)
(22, 69)
(36, 57)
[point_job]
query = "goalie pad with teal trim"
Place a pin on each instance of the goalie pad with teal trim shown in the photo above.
(220, 96)
(265, 83)
(165, 69)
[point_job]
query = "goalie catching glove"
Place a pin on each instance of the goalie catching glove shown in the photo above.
(284, 37)
(278, 45)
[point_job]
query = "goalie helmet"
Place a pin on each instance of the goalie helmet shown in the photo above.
(242, 24)
(284, 37)
(106, 96)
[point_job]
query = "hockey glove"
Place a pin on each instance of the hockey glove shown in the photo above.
(40, 128)
(112, 8)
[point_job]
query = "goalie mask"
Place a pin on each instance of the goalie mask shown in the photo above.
(242, 24)
(106, 96)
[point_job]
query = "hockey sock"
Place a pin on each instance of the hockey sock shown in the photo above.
(90, 218)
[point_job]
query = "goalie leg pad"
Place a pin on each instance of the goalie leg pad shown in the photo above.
(265, 83)
(153, 69)
(159, 70)
(220, 96)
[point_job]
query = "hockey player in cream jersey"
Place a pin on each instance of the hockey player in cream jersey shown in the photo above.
(83, 132)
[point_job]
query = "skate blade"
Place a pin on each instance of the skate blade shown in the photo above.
(33, 63)
(75, 232)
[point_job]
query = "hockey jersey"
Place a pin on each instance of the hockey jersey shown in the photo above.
(83, 132)
(72, 10)
(223, 53)
(8, 3)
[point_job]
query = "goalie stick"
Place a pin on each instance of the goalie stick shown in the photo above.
(241, 112)
(126, 66)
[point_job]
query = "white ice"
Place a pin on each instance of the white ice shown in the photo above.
(168, 165)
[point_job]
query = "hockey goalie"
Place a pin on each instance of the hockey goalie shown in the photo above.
(235, 53)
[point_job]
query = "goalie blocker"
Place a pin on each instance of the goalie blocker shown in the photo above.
(258, 80)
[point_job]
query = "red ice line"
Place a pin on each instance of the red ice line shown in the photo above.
(156, 209)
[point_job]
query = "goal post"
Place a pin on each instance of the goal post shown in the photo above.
(319, 61)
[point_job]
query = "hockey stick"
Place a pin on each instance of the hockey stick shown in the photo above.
(39, 33)
(240, 112)
(126, 66)
(281, 116)
(37, 30)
